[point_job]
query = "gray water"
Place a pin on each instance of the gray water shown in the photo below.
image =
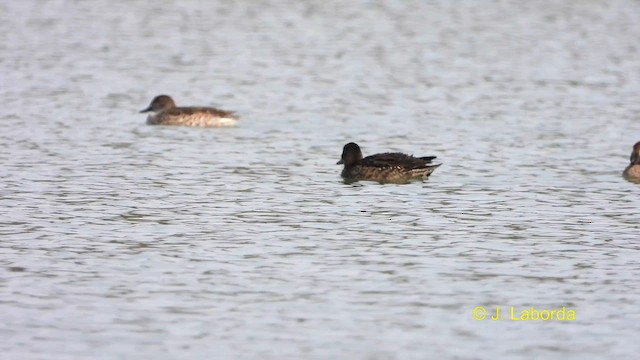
(126, 241)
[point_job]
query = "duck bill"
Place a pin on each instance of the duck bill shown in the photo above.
(145, 110)
(340, 162)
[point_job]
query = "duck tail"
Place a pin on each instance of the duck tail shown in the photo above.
(425, 171)
(428, 159)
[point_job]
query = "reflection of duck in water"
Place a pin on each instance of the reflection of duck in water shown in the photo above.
(164, 112)
(386, 167)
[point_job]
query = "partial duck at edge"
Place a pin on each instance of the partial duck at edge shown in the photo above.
(632, 172)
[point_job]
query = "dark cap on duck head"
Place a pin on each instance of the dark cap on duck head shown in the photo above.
(159, 103)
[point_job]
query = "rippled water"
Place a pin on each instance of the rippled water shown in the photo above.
(122, 240)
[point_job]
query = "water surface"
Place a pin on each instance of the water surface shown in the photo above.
(122, 240)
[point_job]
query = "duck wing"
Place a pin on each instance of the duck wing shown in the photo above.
(396, 160)
(184, 111)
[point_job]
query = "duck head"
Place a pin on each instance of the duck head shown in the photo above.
(351, 154)
(635, 155)
(160, 103)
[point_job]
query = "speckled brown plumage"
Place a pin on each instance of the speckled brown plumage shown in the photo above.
(164, 112)
(385, 167)
(632, 172)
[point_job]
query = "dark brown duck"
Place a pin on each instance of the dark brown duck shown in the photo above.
(385, 167)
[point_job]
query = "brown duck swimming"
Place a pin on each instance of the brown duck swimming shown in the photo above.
(164, 112)
(386, 167)
(632, 172)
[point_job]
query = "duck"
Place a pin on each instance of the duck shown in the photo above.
(632, 172)
(385, 167)
(163, 111)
